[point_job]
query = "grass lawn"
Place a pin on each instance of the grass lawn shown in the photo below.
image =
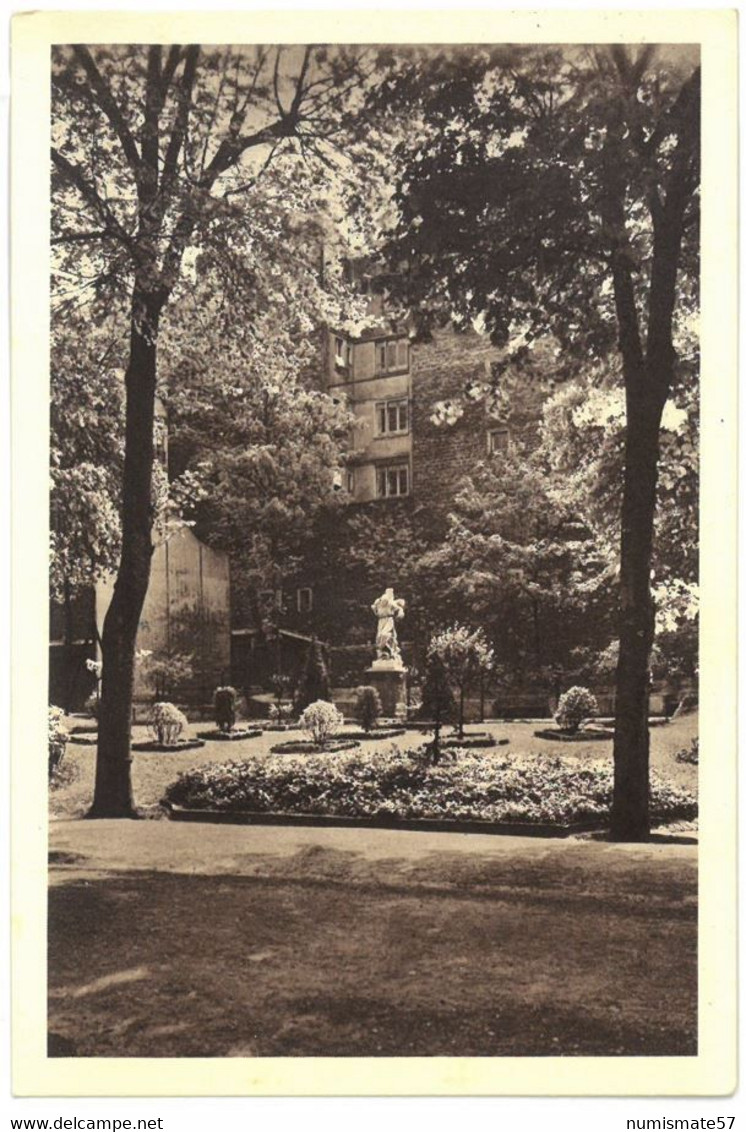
(151, 772)
(169, 940)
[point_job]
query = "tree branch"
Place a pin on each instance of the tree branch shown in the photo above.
(75, 177)
(81, 237)
(108, 104)
(178, 133)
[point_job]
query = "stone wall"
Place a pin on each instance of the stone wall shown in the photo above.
(186, 611)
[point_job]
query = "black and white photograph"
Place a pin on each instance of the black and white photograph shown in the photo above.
(376, 396)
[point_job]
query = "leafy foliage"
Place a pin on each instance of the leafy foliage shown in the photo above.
(166, 724)
(464, 655)
(58, 736)
(575, 705)
(314, 683)
(689, 754)
(225, 707)
(321, 721)
(551, 194)
(158, 163)
(437, 702)
(166, 669)
(86, 449)
(367, 706)
(518, 560)
(402, 784)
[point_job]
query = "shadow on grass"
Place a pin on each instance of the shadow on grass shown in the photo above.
(276, 966)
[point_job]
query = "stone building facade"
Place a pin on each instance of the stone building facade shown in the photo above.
(408, 459)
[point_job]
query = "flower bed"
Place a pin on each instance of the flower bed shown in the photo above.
(230, 736)
(307, 747)
(472, 742)
(551, 791)
(151, 745)
(588, 735)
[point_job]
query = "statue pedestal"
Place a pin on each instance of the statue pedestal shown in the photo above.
(389, 678)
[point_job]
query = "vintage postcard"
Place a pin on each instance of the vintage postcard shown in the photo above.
(374, 428)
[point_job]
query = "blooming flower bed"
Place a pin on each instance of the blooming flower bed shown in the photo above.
(535, 789)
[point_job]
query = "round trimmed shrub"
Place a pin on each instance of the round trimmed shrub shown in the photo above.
(166, 724)
(225, 707)
(367, 706)
(575, 706)
(321, 721)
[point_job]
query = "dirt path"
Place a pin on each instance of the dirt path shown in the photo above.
(185, 940)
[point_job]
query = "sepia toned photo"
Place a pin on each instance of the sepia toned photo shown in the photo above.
(374, 654)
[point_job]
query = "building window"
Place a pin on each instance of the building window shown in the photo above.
(304, 599)
(342, 353)
(498, 440)
(392, 417)
(392, 355)
(392, 480)
(350, 482)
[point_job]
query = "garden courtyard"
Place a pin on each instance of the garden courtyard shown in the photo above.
(360, 942)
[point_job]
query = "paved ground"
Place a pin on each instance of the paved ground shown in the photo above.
(196, 940)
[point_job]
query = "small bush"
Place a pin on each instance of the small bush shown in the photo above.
(321, 721)
(575, 706)
(689, 754)
(225, 707)
(58, 736)
(314, 684)
(166, 724)
(367, 706)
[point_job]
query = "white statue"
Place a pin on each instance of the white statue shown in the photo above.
(388, 609)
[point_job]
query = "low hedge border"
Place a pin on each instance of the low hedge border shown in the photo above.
(589, 736)
(152, 747)
(421, 825)
(84, 740)
(306, 747)
(230, 736)
(376, 733)
(472, 743)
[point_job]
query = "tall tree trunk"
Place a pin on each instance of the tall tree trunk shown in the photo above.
(68, 638)
(113, 790)
(630, 816)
